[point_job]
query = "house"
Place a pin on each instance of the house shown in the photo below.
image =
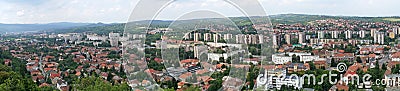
(134, 83)
(321, 64)
(181, 84)
(146, 83)
(252, 60)
(62, 85)
(343, 56)
(185, 76)
(395, 56)
(308, 58)
(104, 75)
(296, 67)
(365, 50)
(281, 59)
(7, 62)
(189, 62)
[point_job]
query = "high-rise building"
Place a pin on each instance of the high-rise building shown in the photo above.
(302, 37)
(261, 38)
(114, 38)
(361, 34)
(379, 37)
(207, 36)
(239, 38)
(254, 39)
(396, 30)
(216, 37)
(276, 40)
(348, 34)
(308, 37)
(198, 50)
(321, 34)
(227, 37)
(373, 31)
(287, 38)
(335, 34)
(196, 36)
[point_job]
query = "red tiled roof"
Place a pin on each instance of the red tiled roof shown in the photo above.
(396, 55)
(54, 75)
(189, 60)
(185, 75)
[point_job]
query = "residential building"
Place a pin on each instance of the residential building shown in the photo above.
(361, 33)
(114, 38)
(321, 34)
(281, 59)
(302, 37)
(348, 34)
(308, 58)
(335, 34)
(287, 38)
(379, 37)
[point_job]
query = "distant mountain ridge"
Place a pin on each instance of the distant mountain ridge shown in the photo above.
(62, 27)
(38, 27)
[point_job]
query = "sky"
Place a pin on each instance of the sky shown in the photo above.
(119, 11)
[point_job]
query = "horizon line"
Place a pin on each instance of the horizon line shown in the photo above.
(398, 16)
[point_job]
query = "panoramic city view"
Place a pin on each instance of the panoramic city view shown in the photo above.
(199, 45)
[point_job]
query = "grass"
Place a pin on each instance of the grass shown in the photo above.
(391, 19)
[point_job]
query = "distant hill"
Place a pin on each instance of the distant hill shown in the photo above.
(107, 28)
(38, 27)
(118, 27)
(304, 18)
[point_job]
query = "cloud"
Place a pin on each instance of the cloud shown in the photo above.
(21, 13)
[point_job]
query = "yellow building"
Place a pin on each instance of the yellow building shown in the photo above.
(391, 35)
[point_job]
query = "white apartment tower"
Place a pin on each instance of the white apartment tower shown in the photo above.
(114, 38)
(335, 34)
(207, 36)
(302, 37)
(361, 34)
(396, 30)
(379, 37)
(287, 38)
(275, 40)
(321, 34)
(348, 34)
(373, 31)
(196, 36)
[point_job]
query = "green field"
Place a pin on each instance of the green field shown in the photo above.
(391, 19)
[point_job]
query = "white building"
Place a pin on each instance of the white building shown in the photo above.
(372, 32)
(395, 56)
(361, 34)
(302, 37)
(308, 58)
(275, 40)
(321, 34)
(281, 59)
(348, 34)
(335, 34)
(379, 37)
(287, 38)
(114, 38)
(96, 37)
(396, 30)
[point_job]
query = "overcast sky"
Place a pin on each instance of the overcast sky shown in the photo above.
(113, 11)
